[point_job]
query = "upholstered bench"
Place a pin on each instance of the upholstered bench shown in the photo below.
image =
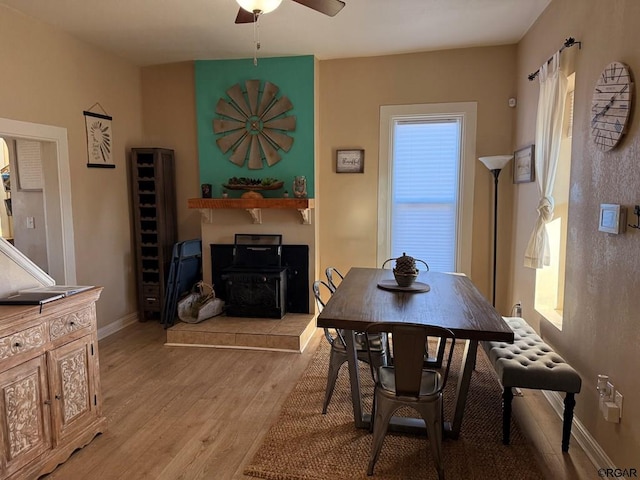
(528, 362)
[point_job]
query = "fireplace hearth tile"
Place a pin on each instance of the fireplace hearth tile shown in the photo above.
(290, 333)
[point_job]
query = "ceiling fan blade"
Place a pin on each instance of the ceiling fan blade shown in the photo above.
(245, 17)
(328, 7)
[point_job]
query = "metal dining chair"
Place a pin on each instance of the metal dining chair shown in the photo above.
(407, 383)
(336, 339)
(330, 272)
(431, 361)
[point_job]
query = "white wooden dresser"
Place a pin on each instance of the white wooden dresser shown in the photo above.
(50, 397)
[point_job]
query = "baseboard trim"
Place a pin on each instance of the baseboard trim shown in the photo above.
(119, 324)
(591, 448)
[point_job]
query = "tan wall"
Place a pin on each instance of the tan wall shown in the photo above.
(169, 113)
(351, 93)
(600, 334)
(53, 78)
(50, 78)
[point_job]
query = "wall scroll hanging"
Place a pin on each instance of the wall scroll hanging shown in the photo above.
(253, 124)
(99, 138)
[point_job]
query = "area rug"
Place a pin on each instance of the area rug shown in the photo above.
(303, 444)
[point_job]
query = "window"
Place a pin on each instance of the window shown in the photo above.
(549, 294)
(427, 155)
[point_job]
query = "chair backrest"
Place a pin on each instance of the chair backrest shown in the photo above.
(388, 263)
(408, 352)
(322, 291)
(321, 298)
(331, 280)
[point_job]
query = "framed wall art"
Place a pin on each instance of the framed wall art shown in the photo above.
(99, 139)
(350, 161)
(524, 165)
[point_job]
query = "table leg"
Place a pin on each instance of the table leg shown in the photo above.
(354, 379)
(464, 380)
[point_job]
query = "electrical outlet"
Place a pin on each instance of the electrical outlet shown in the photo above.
(610, 390)
(618, 401)
(31, 222)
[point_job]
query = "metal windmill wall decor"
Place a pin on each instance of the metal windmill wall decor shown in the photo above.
(253, 124)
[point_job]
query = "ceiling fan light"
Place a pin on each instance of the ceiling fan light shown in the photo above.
(263, 6)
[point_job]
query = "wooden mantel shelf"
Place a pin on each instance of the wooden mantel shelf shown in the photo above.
(252, 205)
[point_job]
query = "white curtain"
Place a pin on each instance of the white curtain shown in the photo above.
(551, 103)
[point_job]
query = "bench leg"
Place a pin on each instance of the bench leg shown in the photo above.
(569, 403)
(507, 397)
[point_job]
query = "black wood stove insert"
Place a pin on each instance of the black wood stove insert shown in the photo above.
(244, 286)
(256, 282)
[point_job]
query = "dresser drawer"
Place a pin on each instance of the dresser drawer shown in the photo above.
(65, 324)
(22, 341)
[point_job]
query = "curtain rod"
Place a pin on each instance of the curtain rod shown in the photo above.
(569, 42)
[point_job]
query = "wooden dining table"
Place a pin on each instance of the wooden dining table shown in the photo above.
(451, 301)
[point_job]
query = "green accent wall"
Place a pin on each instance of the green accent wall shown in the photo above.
(295, 78)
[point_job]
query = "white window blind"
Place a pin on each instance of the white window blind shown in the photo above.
(425, 184)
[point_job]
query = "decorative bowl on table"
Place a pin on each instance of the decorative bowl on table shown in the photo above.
(405, 279)
(405, 271)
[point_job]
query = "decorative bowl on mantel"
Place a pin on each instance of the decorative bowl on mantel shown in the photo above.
(253, 188)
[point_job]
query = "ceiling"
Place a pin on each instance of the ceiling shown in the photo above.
(149, 32)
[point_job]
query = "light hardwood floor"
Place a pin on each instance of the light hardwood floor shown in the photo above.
(200, 413)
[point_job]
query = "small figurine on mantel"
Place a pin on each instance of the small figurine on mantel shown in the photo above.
(224, 194)
(285, 194)
(300, 186)
(206, 190)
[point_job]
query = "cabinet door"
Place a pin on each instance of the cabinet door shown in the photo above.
(24, 415)
(72, 388)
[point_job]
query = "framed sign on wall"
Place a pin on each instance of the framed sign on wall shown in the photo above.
(99, 138)
(524, 165)
(350, 161)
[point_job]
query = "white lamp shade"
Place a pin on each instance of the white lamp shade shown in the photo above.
(496, 162)
(263, 6)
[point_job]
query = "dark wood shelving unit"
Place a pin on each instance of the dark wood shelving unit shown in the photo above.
(155, 225)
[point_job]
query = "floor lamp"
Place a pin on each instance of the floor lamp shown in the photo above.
(495, 163)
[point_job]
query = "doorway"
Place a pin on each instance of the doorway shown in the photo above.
(57, 193)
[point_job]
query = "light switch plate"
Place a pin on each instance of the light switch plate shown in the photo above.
(613, 218)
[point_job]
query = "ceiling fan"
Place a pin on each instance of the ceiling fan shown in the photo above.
(251, 9)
